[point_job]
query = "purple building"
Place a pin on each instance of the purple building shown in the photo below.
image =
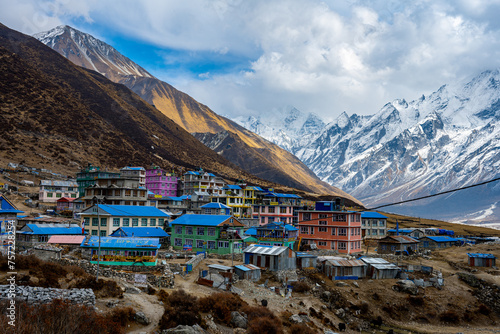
(160, 182)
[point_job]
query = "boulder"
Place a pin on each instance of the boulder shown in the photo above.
(141, 318)
(238, 320)
(296, 319)
(406, 286)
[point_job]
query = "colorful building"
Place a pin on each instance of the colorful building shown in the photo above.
(118, 191)
(275, 207)
(51, 191)
(108, 218)
(87, 177)
(202, 183)
(219, 234)
(277, 234)
(216, 209)
(161, 182)
(135, 173)
(326, 229)
(121, 251)
(373, 225)
(141, 232)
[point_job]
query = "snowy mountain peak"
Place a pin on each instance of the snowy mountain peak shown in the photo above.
(87, 51)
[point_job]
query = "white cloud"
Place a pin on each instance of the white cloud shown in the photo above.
(322, 56)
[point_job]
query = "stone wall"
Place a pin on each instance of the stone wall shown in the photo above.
(47, 252)
(195, 261)
(37, 295)
(164, 278)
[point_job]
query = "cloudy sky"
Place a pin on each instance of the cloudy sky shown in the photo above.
(250, 57)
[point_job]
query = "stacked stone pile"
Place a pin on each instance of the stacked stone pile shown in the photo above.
(37, 295)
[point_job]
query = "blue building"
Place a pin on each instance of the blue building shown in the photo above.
(141, 232)
(373, 225)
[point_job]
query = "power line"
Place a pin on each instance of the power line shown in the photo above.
(434, 195)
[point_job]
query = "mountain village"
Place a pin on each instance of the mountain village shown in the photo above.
(150, 229)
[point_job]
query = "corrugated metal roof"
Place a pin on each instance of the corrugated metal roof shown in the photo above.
(140, 232)
(372, 214)
(110, 242)
(130, 211)
(51, 229)
(247, 267)
(133, 168)
(374, 260)
(232, 186)
(303, 254)
(277, 226)
(481, 255)
(266, 250)
(66, 239)
(401, 230)
(205, 220)
(58, 183)
(7, 207)
(215, 206)
(219, 267)
(400, 239)
(346, 263)
(251, 231)
(440, 238)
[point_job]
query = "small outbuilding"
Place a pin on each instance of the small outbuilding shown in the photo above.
(378, 268)
(248, 271)
(306, 260)
(338, 268)
(273, 258)
(397, 243)
(430, 242)
(73, 241)
(481, 260)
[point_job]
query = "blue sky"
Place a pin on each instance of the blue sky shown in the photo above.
(252, 57)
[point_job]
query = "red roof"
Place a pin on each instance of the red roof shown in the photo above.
(66, 239)
(66, 199)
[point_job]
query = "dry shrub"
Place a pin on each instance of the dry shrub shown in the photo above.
(181, 308)
(416, 300)
(162, 296)
(102, 288)
(449, 316)
(301, 329)
(221, 304)
(300, 286)
(122, 315)
(483, 309)
(58, 317)
(285, 318)
(254, 312)
(264, 325)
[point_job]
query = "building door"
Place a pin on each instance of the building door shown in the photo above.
(268, 261)
(258, 261)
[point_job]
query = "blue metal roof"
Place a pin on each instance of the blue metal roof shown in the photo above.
(372, 214)
(303, 254)
(192, 173)
(201, 220)
(210, 174)
(110, 242)
(131, 210)
(140, 232)
(7, 207)
(232, 186)
(133, 168)
(400, 231)
(251, 231)
(277, 226)
(215, 206)
(481, 255)
(441, 238)
(42, 229)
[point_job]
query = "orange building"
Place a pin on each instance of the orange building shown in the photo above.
(338, 230)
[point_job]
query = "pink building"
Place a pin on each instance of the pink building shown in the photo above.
(160, 182)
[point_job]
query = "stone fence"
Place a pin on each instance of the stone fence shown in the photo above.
(37, 295)
(195, 261)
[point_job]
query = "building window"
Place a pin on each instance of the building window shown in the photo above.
(94, 232)
(126, 222)
(312, 229)
(322, 229)
(322, 215)
(199, 243)
(342, 232)
(270, 209)
(322, 243)
(333, 230)
(135, 221)
(95, 222)
(178, 230)
(49, 195)
(381, 223)
(152, 222)
(211, 244)
(200, 231)
(282, 209)
(58, 195)
(223, 244)
(189, 242)
(189, 230)
(116, 221)
(352, 231)
(323, 222)
(342, 245)
(304, 229)
(306, 216)
(104, 221)
(103, 233)
(211, 231)
(86, 220)
(178, 242)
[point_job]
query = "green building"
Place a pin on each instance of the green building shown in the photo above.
(220, 234)
(87, 177)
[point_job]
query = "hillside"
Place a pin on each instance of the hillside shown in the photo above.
(267, 160)
(61, 116)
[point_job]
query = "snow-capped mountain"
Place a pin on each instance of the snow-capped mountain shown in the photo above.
(89, 52)
(287, 127)
(447, 140)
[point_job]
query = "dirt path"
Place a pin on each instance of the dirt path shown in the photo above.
(150, 306)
